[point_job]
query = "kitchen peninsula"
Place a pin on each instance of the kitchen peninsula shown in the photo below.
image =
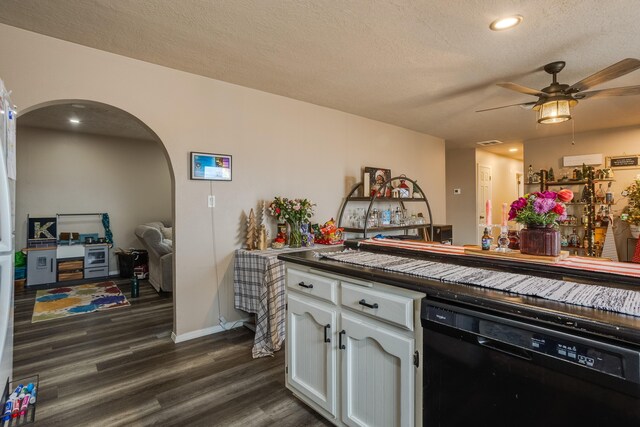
(370, 346)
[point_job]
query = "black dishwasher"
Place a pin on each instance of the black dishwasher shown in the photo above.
(483, 368)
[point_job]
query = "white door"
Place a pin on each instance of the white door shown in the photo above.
(378, 375)
(483, 191)
(311, 338)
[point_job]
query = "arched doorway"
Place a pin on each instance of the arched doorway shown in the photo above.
(78, 156)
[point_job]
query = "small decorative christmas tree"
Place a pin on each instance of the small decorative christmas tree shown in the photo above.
(251, 231)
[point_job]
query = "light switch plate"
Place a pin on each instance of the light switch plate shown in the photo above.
(212, 201)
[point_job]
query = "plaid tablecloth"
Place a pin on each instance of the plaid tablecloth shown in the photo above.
(259, 287)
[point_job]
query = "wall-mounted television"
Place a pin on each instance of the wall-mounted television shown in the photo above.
(210, 167)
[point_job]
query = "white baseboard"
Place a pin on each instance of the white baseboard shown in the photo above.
(208, 331)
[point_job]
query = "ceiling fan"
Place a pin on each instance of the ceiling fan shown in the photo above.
(555, 101)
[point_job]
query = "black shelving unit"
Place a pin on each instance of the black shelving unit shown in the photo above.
(352, 197)
(590, 203)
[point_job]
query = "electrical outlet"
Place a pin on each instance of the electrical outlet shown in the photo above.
(212, 201)
(457, 191)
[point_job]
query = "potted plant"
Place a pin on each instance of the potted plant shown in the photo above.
(294, 212)
(631, 213)
(540, 212)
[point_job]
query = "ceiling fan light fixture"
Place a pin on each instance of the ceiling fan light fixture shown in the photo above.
(506, 23)
(554, 111)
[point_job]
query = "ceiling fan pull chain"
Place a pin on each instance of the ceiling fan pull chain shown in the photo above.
(573, 132)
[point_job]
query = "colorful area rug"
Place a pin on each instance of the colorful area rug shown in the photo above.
(69, 301)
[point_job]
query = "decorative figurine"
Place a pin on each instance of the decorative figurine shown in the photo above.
(251, 231)
(403, 189)
(331, 235)
(551, 176)
(262, 238)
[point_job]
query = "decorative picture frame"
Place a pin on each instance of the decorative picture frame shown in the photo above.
(210, 167)
(629, 161)
(372, 178)
(42, 228)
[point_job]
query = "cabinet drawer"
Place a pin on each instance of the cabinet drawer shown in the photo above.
(396, 309)
(90, 273)
(313, 284)
(77, 275)
(70, 265)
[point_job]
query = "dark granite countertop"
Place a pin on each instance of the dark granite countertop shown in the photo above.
(568, 317)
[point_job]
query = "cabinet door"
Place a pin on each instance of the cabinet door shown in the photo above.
(41, 267)
(378, 376)
(312, 361)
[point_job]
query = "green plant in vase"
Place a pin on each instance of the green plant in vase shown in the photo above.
(294, 212)
(631, 212)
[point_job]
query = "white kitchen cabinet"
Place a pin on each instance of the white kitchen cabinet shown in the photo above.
(377, 375)
(358, 364)
(311, 350)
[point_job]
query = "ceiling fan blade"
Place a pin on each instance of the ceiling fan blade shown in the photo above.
(614, 91)
(526, 105)
(521, 89)
(614, 71)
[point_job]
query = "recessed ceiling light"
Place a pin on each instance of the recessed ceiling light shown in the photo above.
(513, 150)
(506, 22)
(74, 121)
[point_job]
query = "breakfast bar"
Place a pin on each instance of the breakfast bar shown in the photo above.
(498, 351)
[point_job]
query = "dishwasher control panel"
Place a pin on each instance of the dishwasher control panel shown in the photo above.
(600, 356)
(589, 356)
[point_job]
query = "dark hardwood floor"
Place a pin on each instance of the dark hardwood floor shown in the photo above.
(121, 368)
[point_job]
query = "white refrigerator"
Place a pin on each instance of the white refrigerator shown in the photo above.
(7, 230)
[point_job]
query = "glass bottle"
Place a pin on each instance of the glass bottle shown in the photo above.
(530, 174)
(609, 194)
(486, 240)
(503, 240)
(600, 194)
(372, 221)
(397, 216)
(385, 218)
(514, 240)
(574, 239)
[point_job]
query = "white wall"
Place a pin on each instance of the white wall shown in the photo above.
(545, 153)
(280, 147)
(461, 208)
(462, 174)
(71, 172)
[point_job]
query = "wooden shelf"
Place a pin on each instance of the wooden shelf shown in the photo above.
(385, 228)
(388, 199)
(570, 182)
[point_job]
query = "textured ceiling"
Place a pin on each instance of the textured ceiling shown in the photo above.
(95, 118)
(424, 65)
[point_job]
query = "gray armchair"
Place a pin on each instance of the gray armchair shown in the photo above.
(160, 248)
